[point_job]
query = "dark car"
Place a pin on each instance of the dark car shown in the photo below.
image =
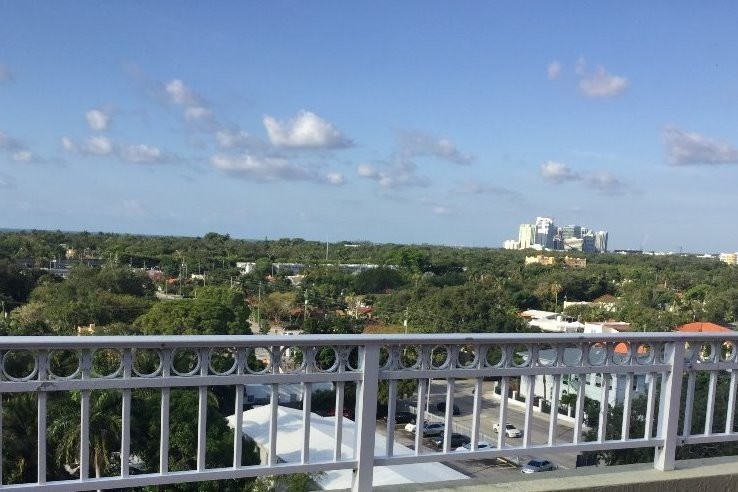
(402, 418)
(441, 407)
(456, 440)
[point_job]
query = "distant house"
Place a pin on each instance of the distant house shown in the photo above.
(703, 327)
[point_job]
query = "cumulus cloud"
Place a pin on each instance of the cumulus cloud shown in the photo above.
(414, 143)
(6, 182)
(235, 139)
(602, 84)
(557, 172)
(306, 130)
(180, 94)
(554, 70)
(335, 179)
(97, 119)
(5, 75)
(399, 174)
(22, 156)
(687, 148)
(106, 147)
(197, 113)
(264, 168)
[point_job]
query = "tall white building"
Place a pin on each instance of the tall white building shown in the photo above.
(600, 242)
(545, 232)
(526, 236)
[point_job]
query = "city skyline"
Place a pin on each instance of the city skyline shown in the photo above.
(412, 123)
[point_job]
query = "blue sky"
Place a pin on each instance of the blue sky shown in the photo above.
(410, 122)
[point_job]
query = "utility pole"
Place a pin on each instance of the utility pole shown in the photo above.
(305, 313)
(258, 308)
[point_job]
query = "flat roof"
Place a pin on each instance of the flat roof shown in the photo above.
(322, 442)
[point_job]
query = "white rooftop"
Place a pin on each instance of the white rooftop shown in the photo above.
(322, 442)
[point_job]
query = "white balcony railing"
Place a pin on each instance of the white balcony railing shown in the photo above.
(41, 366)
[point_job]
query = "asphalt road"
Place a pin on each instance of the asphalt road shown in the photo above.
(463, 397)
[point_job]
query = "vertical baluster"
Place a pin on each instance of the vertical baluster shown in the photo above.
(579, 414)
(391, 416)
(338, 450)
(710, 412)
(476, 412)
(240, 389)
(202, 411)
(689, 404)
(648, 432)
(553, 422)
(307, 396)
(420, 415)
(448, 429)
(627, 403)
(166, 361)
(125, 418)
(730, 418)
(504, 388)
(366, 420)
(1, 440)
(84, 433)
(528, 423)
(274, 407)
(604, 407)
(671, 393)
(43, 365)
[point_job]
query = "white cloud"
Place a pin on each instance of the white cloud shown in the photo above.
(335, 179)
(554, 70)
(180, 94)
(98, 146)
(686, 148)
(141, 154)
(97, 119)
(400, 174)
(197, 113)
(6, 181)
(231, 139)
(557, 172)
(414, 143)
(22, 156)
(601, 84)
(5, 75)
(306, 130)
(10, 144)
(104, 146)
(264, 168)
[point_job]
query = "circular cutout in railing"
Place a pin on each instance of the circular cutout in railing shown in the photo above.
(493, 356)
(326, 359)
(707, 352)
(258, 360)
(64, 364)
(597, 353)
(293, 359)
(106, 363)
(572, 355)
(645, 353)
(520, 355)
(547, 355)
(440, 357)
(621, 353)
(728, 351)
(410, 357)
(222, 361)
(146, 362)
(350, 355)
(467, 356)
(185, 361)
(19, 365)
(690, 351)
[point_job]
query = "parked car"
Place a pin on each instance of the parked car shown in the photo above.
(441, 407)
(538, 465)
(429, 429)
(481, 446)
(456, 440)
(402, 418)
(510, 430)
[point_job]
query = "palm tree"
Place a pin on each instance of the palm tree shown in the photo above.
(104, 429)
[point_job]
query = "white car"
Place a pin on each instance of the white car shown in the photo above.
(481, 446)
(510, 430)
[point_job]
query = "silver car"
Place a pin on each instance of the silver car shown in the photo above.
(538, 465)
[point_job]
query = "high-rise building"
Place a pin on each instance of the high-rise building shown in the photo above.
(570, 232)
(526, 236)
(545, 232)
(600, 242)
(588, 243)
